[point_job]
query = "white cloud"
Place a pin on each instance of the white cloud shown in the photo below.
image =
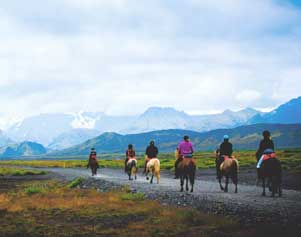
(248, 96)
(123, 56)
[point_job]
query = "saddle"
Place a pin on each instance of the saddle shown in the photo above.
(186, 161)
(269, 156)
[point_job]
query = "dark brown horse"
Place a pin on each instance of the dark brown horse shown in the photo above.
(93, 164)
(186, 170)
(229, 169)
(271, 171)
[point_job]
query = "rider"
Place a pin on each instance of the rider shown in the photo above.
(93, 160)
(266, 148)
(185, 151)
(130, 153)
(93, 154)
(225, 149)
(151, 153)
(265, 143)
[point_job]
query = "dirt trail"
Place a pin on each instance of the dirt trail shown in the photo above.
(248, 205)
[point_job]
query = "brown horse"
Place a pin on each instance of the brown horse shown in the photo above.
(93, 164)
(186, 170)
(272, 171)
(229, 169)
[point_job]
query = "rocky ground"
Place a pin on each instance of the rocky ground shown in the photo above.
(248, 206)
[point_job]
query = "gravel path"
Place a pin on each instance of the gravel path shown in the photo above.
(248, 206)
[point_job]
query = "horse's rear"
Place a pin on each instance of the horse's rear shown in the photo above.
(271, 170)
(93, 165)
(186, 170)
(153, 167)
(132, 168)
(229, 169)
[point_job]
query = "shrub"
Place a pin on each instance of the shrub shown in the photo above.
(33, 190)
(74, 183)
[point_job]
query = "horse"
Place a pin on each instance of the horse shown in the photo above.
(153, 166)
(186, 170)
(132, 168)
(93, 164)
(272, 171)
(229, 169)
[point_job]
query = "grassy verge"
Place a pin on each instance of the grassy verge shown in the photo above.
(291, 160)
(19, 172)
(50, 208)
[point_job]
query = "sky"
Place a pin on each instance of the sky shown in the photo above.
(123, 56)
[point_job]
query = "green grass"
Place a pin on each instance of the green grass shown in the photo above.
(133, 196)
(19, 172)
(75, 182)
(33, 190)
(290, 159)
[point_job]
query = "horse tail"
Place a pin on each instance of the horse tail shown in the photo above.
(236, 165)
(157, 166)
(157, 169)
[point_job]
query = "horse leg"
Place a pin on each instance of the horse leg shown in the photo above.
(263, 186)
(220, 183)
(158, 178)
(192, 182)
(187, 185)
(182, 182)
(227, 182)
(280, 190)
(147, 172)
(235, 181)
(152, 179)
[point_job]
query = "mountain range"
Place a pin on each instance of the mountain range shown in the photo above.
(23, 149)
(243, 137)
(61, 131)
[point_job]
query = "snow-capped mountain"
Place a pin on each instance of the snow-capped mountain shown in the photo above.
(72, 138)
(287, 113)
(58, 131)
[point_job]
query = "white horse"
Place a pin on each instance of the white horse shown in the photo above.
(132, 168)
(153, 166)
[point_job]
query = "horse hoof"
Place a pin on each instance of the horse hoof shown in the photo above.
(147, 178)
(191, 191)
(226, 190)
(263, 194)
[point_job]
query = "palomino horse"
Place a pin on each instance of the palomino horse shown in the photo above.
(132, 168)
(229, 169)
(93, 164)
(153, 166)
(186, 170)
(271, 170)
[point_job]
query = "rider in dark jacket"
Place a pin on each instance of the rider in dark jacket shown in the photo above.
(225, 149)
(151, 152)
(265, 144)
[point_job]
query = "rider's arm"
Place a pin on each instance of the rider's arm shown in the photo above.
(192, 149)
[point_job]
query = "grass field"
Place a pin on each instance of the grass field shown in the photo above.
(290, 159)
(4, 171)
(51, 208)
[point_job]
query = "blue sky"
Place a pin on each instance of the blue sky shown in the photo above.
(122, 56)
